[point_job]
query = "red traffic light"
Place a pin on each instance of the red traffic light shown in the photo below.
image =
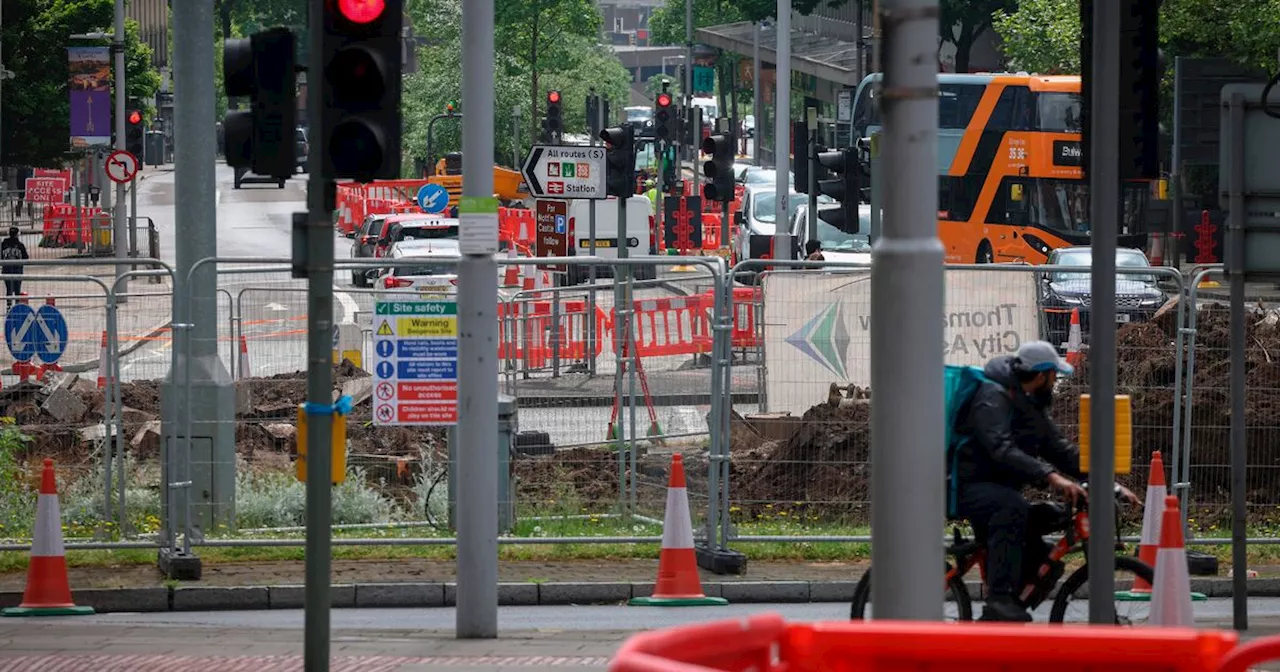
(362, 11)
(553, 97)
(664, 100)
(135, 117)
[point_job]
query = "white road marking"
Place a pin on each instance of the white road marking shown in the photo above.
(349, 305)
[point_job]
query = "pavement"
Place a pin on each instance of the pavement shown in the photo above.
(399, 640)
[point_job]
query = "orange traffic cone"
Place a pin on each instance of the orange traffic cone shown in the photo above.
(1074, 339)
(102, 363)
(1171, 596)
(511, 277)
(1152, 515)
(48, 590)
(678, 583)
(245, 371)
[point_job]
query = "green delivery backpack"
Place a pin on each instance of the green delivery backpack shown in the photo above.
(960, 383)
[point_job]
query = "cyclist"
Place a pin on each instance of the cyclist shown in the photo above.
(1009, 441)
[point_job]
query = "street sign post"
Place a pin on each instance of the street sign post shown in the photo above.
(553, 232)
(121, 166)
(565, 172)
(416, 370)
(433, 198)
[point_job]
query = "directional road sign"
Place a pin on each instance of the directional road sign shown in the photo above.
(433, 198)
(35, 334)
(121, 166)
(416, 343)
(17, 331)
(565, 172)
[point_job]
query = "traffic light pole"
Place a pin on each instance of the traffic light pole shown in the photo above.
(812, 159)
(119, 235)
(477, 562)
(906, 343)
(782, 129)
(319, 272)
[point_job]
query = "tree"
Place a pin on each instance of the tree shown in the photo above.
(1041, 36)
(666, 26)
(962, 22)
(537, 33)
(36, 105)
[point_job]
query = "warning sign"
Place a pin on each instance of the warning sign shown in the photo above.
(427, 326)
(385, 329)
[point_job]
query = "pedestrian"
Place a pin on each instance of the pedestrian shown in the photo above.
(24, 172)
(813, 249)
(12, 249)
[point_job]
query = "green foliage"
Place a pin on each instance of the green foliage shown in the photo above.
(277, 499)
(962, 22)
(36, 106)
(1041, 36)
(17, 500)
(666, 25)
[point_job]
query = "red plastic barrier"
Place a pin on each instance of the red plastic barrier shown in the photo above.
(524, 327)
(677, 325)
(517, 224)
(710, 231)
(70, 225)
(746, 303)
(574, 331)
(767, 643)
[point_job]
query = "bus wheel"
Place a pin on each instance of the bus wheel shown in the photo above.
(985, 255)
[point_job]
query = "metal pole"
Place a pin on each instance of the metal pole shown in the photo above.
(1175, 185)
(133, 222)
(695, 114)
(782, 134)
(906, 345)
(120, 235)
(591, 270)
(1239, 466)
(1103, 171)
(320, 198)
(477, 615)
(621, 336)
(688, 52)
(812, 158)
(757, 102)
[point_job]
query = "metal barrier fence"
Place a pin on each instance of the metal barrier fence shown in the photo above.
(716, 356)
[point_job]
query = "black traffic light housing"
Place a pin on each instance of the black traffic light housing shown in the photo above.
(663, 117)
(1141, 69)
(555, 117)
(845, 187)
(719, 169)
(594, 125)
(133, 131)
(360, 120)
(620, 160)
(261, 67)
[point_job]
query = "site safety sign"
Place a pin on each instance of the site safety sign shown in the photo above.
(415, 342)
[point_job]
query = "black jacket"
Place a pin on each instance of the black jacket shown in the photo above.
(1011, 439)
(12, 249)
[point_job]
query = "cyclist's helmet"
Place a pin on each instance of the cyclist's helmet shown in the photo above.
(1040, 356)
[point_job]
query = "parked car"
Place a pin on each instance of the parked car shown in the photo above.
(415, 228)
(837, 245)
(374, 237)
(754, 225)
(434, 263)
(1138, 296)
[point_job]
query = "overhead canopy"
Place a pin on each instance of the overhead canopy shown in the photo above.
(823, 57)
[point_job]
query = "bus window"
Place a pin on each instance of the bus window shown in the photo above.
(956, 196)
(957, 103)
(1058, 112)
(1010, 203)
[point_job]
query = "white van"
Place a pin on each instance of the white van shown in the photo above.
(639, 235)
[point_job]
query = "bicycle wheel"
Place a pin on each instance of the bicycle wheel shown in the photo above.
(957, 607)
(1072, 602)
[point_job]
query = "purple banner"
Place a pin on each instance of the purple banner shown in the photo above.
(90, 85)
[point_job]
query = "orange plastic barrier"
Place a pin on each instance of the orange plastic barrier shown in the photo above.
(348, 205)
(70, 226)
(746, 301)
(710, 231)
(672, 326)
(516, 224)
(574, 331)
(767, 643)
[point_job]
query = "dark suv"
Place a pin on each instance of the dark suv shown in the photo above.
(1137, 295)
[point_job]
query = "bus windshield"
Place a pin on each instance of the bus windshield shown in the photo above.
(1060, 205)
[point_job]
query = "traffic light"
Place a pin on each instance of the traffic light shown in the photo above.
(133, 132)
(846, 188)
(555, 120)
(620, 160)
(1141, 69)
(801, 155)
(662, 117)
(719, 170)
(360, 119)
(261, 67)
(593, 113)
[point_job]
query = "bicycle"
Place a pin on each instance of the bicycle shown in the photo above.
(968, 553)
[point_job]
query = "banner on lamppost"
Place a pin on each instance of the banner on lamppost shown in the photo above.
(90, 85)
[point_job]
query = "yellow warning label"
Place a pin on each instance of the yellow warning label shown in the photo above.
(385, 329)
(427, 326)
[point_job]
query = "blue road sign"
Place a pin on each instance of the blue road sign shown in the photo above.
(560, 224)
(386, 348)
(432, 198)
(386, 370)
(17, 331)
(49, 337)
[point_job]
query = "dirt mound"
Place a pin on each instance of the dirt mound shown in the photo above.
(585, 477)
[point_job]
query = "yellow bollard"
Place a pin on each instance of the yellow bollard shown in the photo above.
(1124, 434)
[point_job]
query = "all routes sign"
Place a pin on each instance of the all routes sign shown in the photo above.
(415, 342)
(565, 172)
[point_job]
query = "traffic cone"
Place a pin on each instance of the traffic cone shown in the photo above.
(1073, 339)
(1152, 514)
(512, 276)
(48, 590)
(678, 583)
(1171, 596)
(245, 371)
(102, 363)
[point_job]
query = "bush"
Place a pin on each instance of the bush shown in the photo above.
(17, 500)
(277, 499)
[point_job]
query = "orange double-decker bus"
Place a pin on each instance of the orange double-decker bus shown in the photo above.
(1011, 186)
